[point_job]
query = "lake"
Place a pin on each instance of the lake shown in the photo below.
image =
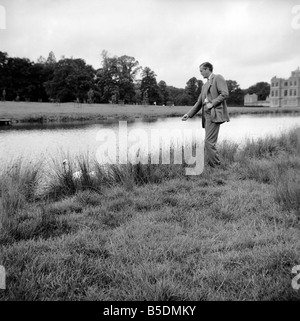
(50, 141)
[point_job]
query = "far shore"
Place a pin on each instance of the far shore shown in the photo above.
(24, 112)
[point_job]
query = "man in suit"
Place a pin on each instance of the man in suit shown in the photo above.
(212, 100)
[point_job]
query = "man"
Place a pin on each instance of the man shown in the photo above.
(214, 112)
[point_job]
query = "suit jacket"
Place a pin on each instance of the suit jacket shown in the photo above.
(216, 91)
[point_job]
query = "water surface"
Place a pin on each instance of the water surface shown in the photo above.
(48, 141)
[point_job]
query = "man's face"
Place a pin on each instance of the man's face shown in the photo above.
(205, 72)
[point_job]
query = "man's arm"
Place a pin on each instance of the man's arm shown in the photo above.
(222, 90)
(194, 110)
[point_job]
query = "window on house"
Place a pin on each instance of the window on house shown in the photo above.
(285, 83)
(277, 84)
(291, 92)
(295, 92)
(285, 92)
(295, 83)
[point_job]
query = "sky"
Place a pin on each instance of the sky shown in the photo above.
(246, 41)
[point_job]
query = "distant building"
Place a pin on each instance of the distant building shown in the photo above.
(286, 92)
(252, 100)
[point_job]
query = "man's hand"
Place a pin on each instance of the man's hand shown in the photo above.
(209, 105)
(185, 117)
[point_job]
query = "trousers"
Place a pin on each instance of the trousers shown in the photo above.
(211, 136)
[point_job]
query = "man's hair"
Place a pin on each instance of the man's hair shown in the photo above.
(208, 65)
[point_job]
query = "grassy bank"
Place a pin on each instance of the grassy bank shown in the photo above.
(50, 112)
(149, 232)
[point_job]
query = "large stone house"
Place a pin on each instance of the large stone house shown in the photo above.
(285, 92)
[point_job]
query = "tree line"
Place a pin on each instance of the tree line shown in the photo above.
(119, 80)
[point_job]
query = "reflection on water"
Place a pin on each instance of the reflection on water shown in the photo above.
(45, 141)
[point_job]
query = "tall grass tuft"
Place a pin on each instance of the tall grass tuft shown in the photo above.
(139, 174)
(271, 146)
(147, 172)
(24, 176)
(265, 160)
(261, 170)
(228, 151)
(18, 185)
(142, 170)
(287, 190)
(260, 148)
(290, 141)
(61, 181)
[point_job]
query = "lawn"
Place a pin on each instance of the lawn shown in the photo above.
(31, 111)
(149, 232)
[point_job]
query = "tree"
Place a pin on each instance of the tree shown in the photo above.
(261, 89)
(72, 79)
(17, 78)
(236, 94)
(149, 86)
(90, 95)
(23, 78)
(117, 77)
(41, 60)
(174, 93)
(164, 92)
(51, 58)
(183, 99)
(3, 70)
(127, 69)
(193, 89)
(199, 87)
(38, 75)
(106, 81)
(138, 93)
